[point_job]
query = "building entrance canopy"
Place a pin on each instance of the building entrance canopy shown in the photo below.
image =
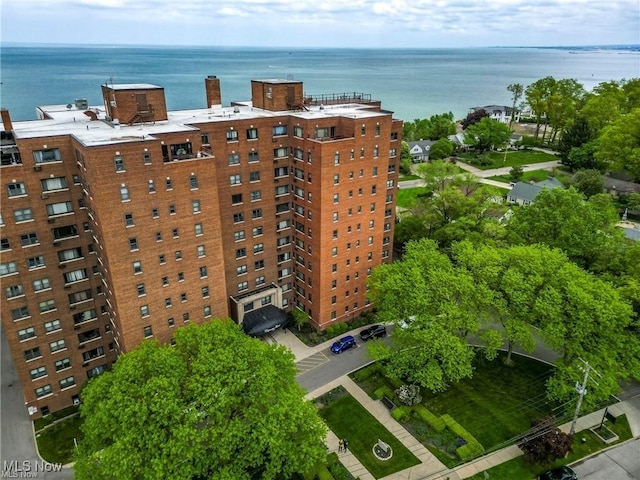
(264, 320)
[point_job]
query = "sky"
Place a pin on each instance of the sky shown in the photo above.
(322, 23)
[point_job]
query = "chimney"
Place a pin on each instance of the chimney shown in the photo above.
(212, 88)
(7, 126)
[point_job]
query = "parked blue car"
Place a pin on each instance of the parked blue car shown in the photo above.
(345, 343)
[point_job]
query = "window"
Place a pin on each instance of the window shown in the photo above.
(16, 189)
(178, 255)
(128, 220)
(148, 331)
(200, 251)
(71, 254)
(203, 272)
(146, 158)
(256, 213)
(171, 322)
(23, 214)
(336, 179)
(372, 207)
(236, 198)
(256, 195)
(205, 291)
(168, 184)
(47, 306)
(172, 209)
(235, 179)
(260, 281)
(133, 244)
(258, 248)
(241, 252)
(181, 276)
(28, 239)
(7, 268)
(66, 231)
(281, 172)
(259, 264)
(335, 216)
(167, 302)
(144, 311)
(43, 391)
(392, 152)
(57, 346)
(233, 159)
(232, 135)
(279, 130)
(206, 310)
(253, 157)
(252, 133)
(280, 152)
(59, 208)
(124, 193)
(238, 217)
(241, 269)
(46, 156)
(118, 162)
(32, 353)
(38, 372)
(155, 213)
(35, 262)
(334, 251)
(5, 244)
(158, 236)
(80, 297)
(62, 364)
(239, 235)
(14, 291)
(193, 182)
(257, 231)
(26, 333)
(165, 281)
(254, 176)
(151, 186)
(284, 189)
(140, 288)
(183, 297)
(67, 382)
(175, 233)
(298, 131)
(243, 286)
(137, 267)
(198, 229)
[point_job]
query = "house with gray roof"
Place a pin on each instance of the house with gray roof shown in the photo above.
(525, 193)
(501, 113)
(420, 150)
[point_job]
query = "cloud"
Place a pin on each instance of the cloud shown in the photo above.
(416, 23)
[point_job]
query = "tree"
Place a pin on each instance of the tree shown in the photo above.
(437, 174)
(516, 173)
(432, 351)
(218, 404)
(576, 135)
(619, 144)
(585, 230)
(487, 134)
(566, 98)
(442, 148)
(516, 90)
(588, 182)
(474, 117)
(299, 317)
(538, 95)
(547, 444)
(436, 127)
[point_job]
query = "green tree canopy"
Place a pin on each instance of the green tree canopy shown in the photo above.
(487, 134)
(442, 148)
(433, 128)
(584, 230)
(516, 90)
(588, 182)
(218, 404)
(619, 143)
(575, 135)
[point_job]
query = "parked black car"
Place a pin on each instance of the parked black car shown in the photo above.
(561, 473)
(374, 331)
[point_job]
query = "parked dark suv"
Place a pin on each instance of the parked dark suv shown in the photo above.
(561, 473)
(345, 343)
(374, 331)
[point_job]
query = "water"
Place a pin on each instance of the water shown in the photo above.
(414, 83)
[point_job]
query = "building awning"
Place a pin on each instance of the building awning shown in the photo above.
(263, 320)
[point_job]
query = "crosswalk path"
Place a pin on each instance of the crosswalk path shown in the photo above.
(311, 362)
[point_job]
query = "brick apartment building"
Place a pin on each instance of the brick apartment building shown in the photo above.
(125, 221)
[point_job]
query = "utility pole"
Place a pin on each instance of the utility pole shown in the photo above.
(582, 390)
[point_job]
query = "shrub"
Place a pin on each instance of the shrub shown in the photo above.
(409, 394)
(400, 412)
(472, 448)
(366, 372)
(395, 382)
(383, 391)
(432, 420)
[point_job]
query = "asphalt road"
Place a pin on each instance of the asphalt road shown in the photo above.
(620, 463)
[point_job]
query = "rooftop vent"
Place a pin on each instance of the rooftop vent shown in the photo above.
(82, 104)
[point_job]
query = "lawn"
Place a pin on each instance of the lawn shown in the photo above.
(535, 175)
(55, 443)
(512, 158)
(518, 469)
(407, 196)
(348, 419)
(403, 178)
(494, 406)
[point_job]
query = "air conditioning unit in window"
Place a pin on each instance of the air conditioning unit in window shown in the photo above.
(51, 220)
(37, 168)
(44, 196)
(62, 266)
(56, 244)
(67, 287)
(72, 307)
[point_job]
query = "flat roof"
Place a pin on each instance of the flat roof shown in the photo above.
(73, 121)
(132, 86)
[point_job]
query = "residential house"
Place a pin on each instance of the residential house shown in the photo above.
(525, 193)
(420, 150)
(501, 113)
